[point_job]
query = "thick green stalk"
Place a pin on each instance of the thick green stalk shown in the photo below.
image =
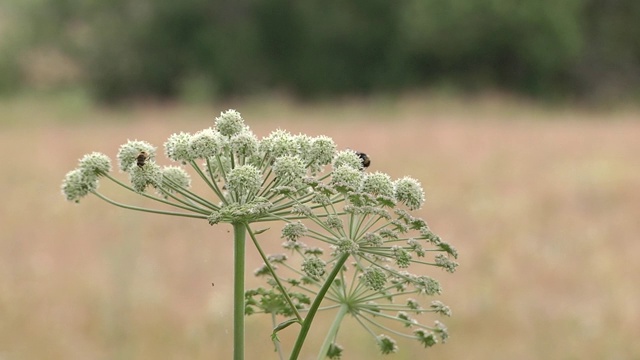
(239, 237)
(306, 324)
(333, 331)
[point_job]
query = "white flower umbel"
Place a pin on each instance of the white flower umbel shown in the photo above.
(357, 243)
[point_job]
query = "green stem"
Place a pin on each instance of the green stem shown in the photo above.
(283, 290)
(306, 324)
(239, 237)
(333, 332)
(137, 208)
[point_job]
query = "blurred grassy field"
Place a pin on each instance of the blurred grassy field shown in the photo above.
(542, 204)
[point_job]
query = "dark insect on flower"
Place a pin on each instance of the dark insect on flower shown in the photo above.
(142, 157)
(366, 161)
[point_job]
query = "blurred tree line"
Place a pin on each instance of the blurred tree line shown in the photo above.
(164, 48)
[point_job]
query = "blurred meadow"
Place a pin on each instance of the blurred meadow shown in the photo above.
(541, 203)
(520, 119)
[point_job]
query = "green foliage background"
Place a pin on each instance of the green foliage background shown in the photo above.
(165, 48)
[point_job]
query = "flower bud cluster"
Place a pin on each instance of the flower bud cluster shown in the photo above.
(83, 180)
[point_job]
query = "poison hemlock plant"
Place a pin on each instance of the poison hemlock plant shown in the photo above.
(350, 239)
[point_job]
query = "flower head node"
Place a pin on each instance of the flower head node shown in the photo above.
(247, 212)
(302, 210)
(294, 245)
(129, 152)
(346, 246)
(425, 337)
(378, 184)
(277, 258)
(315, 251)
(348, 158)
(322, 151)
(244, 144)
(402, 256)
(322, 199)
(294, 231)
(389, 234)
(427, 285)
(284, 190)
(314, 267)
(416, 247)
(446, 247)
(346, 179)
(335, 351)
(229, 123)
(289, 169)
(414, 305)
(333, 222)
(244, 180)
(95, 163)
(78, 184)
(280, 143)
(406, 319)
(387, 345)
(174, 177)
(440, 308)
(374, 278)
(204, 144)
(409, 192)
(441, 329)
(145, 176)
(178, 148)
(372, 240)
(445, 263)
(214, 218)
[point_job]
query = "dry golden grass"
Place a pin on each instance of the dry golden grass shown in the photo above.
(543, 206)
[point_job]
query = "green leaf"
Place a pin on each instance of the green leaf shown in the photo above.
(258, 232)
(284, 325)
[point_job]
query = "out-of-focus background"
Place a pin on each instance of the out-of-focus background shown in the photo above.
(521, 120)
